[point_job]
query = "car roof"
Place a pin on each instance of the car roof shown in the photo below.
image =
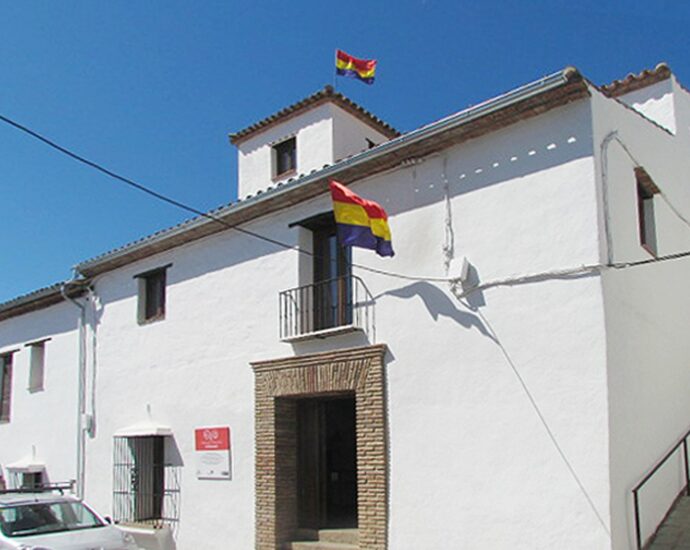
(18, 498)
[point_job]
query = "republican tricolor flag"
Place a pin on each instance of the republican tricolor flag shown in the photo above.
(360, 222)
(362, 69)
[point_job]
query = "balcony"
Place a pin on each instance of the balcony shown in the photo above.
(327, 308)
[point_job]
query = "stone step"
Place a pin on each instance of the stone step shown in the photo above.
(321, 545)
(347, 536)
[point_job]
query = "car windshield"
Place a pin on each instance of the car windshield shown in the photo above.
(23, 520)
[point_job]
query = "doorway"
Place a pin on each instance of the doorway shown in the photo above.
(327, 462)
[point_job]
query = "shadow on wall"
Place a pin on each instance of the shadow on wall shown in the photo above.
(439, 304)
(351, 340)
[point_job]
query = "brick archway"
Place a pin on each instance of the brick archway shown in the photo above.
(358, 370)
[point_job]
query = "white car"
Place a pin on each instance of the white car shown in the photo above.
(51, 521)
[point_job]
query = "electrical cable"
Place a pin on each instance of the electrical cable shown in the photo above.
(453, 280)
(542, 419)
(197, 212)
(614, 135)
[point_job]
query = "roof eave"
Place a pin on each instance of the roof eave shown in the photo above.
(40, 299)
(634, 82)
(529, 100)
(325, 95)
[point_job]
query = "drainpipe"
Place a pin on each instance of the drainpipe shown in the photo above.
(81, 443)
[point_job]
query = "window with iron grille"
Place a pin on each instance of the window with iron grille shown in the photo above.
(31, 480)
(146, 487)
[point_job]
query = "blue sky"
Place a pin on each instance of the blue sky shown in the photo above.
(151, 90)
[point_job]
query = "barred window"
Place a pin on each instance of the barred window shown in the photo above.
(146, 487)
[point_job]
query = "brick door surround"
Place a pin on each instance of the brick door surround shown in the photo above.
(278, 385)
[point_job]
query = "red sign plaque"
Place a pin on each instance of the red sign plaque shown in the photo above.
(212, 453)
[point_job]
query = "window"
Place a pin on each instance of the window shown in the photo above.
(5, 386)
(332, 285)
(646, 189)
(285, 158)
(37, 365)
(146, 485)
(151, 305)
(32, 480)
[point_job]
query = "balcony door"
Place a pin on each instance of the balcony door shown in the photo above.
(332, 283)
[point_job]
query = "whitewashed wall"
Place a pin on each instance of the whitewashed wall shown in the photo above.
(682, 109)
(472, 465)
(646, 314)
(323, 135)
(656, 102)
(350, 134)
(314, 138)
(46, 420)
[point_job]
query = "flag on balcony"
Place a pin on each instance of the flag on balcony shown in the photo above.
(362, 69)
(360, 222)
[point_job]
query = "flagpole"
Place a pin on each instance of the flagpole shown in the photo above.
(335, 59)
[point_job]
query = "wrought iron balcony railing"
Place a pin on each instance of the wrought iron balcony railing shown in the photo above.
(327, 307)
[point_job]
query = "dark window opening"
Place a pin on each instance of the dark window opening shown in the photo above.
(5, 387)
(646, 189)
(152, 295)
(285, 157)
(32, 480)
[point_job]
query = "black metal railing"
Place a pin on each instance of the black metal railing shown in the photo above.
(330, 304)
(682, 442)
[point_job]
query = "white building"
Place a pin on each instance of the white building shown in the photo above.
(515, 404)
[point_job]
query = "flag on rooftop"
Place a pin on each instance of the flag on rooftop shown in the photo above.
(362, 69)
(360, 222)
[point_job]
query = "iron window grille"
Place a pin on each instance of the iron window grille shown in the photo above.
(146, 488)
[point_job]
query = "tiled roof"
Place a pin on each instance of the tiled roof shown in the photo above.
(322, 96)
(634, 82)
(467, 124)
(37, 299)
(524, 102)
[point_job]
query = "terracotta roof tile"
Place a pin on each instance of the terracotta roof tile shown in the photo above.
(322, 96)
(634, 82)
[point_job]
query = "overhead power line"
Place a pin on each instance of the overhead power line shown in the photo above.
(191, 209)
(236, 227)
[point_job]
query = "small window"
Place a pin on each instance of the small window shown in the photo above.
(151, 306)
(285, 158)
(37, 366)
(646, 189)
(5, 386)
(32, 480)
